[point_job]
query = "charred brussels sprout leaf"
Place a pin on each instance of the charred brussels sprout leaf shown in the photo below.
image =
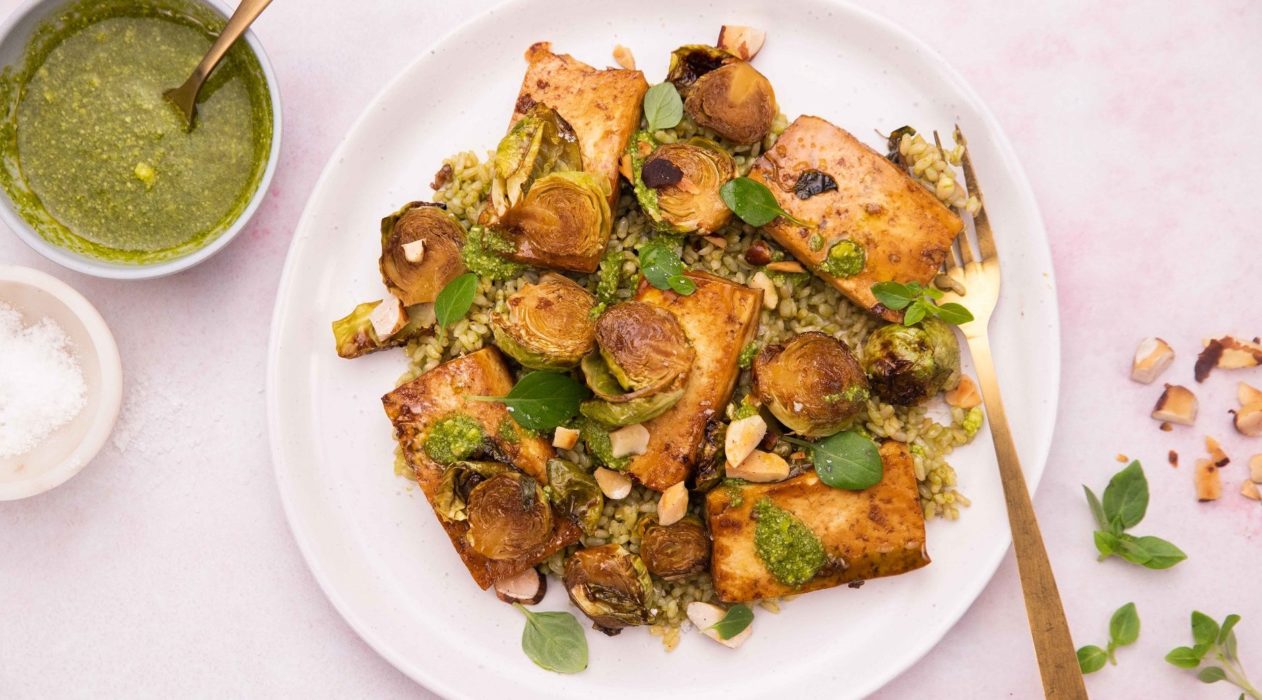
(688, 63)
(711, 461)
(565, 214)
(908, 364)
(892, 144)
(735, 100)
(540, 143)
(509, 516)
(353, 335)
(575, 493)
(691, 202)
(547, 325)
(541, 401)
(420, 251)
(812, 384)
(813, 182)
(675, 551)
(610, 585)
(633, 411)
(452, 499)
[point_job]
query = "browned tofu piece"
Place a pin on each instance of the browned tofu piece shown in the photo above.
(603, 107)
(720, 319)
(866, 534)
(417, 405)
(903, 228)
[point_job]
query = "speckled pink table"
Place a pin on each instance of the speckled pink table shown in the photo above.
(166, 568)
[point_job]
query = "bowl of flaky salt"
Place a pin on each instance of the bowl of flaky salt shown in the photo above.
(61, 382)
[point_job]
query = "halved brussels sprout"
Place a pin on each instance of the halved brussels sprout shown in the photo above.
(678, 184)
(452, 500)
(644, 346)
(631, 412)
(610, 585)
(711, 461)
(812, 384)
(441, 236)
(564, 216)
(548, 325)
(575, 493)
(540, 143)
(509, 516)
(353, 334)
(908, 364)
(675, 551)
(690, 62)
(735, 100)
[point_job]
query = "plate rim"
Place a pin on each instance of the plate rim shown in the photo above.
(1034, 469)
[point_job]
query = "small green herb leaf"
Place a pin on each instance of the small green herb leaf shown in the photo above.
(541, 401)
(734, 622)
(1091, 658)
(1106, 543)
(662, 267)
(1211, 674)
(954, 314)
(894, 295)
(1224, 632)
(916, 312)
(1124, 625)
(1184, 657)
(1160, 553)
(554, 641)
(753, 202)
(845, 461)
(1204, 628)
(919, 302)
(1126, 496)
(453, 302)
(663, 108)
(1097, 510)
(682, 285)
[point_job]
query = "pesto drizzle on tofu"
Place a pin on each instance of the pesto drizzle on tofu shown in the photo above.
(791, 552)
(453, 438)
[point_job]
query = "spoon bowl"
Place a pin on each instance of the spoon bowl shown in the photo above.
(184, 97)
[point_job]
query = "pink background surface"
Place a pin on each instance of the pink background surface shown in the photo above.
(166, 567)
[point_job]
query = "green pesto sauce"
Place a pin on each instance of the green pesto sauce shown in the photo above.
(483, 254)
(96, 159)
(508, 432)
(453, 438)
(855, 393)
(791, 552)
(735, 495)
(745, 409)
(845, 259)
(596, 437)
(747, 355)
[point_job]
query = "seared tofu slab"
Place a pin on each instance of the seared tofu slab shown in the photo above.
(719, 319)
(602, 106)
(416, 406)
(905, 232)
(866, 534)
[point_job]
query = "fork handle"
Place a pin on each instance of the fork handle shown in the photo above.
(1058, 662)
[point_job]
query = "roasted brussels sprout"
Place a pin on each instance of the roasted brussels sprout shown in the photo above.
(812, 384)
(353, 335)
(631, 412)
(735, 100)
(548, 325)
(540, 143)
(644, 346)
(459, 479)
(688, 63)
(674, 551)
(711, 461)
(610, 585)
(908, 364)
(678, 184)
(575, 493)
(417, 272)
(509, 516)
(564, 217)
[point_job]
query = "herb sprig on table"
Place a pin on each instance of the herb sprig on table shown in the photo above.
(1123, 631)
(1124, 505)
(1217, 642)
(919, 301)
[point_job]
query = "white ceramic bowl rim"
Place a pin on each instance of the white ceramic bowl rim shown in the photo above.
(102, 268)
(107, 401)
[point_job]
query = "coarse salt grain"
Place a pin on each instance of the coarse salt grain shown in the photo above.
(41, 383)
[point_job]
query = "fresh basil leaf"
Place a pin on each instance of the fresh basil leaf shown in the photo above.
(554, 641)
(1184, 657)
(753, 202)
(541, 401)
(1161, 554)
(1126, 496)
(1204, 628)
(1091, 658)
(1129, 548)
(1225, 631)
(1124, 625)
(954, 314)
(453, 302)
(916, 312)
(846, 460)
(1097, 510)
(682, 285)
(663, 108)
(893, 295)
(1106, 543)
(734, 622)
(1211, 674)
(930, 291)
(661, 266)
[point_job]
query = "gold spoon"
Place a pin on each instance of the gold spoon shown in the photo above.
(184, 97)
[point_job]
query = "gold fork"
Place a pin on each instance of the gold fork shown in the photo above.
(979, 274)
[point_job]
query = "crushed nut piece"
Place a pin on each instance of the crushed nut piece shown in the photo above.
(623, 56)
(791, 267)
(1122, 458)
(964, 395)
(673, 504)
(744, 42)
(760, 467)
(1152, 357)
(1166, 427)
(770, 297)
(1174, 458)
(628, 441)
(388, 317)
(1227, 353)
(1249, 419)
(1249, 490)
(743, 435)
(1176, 405)
(1247, 394)
(565, 438)
(1255, 469)
(1216, 453)
(717, 241)
(615, 485)
(1209, 485)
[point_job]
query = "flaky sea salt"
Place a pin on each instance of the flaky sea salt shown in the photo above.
(41, 383)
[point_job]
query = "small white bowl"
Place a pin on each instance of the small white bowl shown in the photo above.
(68, 449)
(15, 33)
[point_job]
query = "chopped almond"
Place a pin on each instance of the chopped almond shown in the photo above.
(1176, 405)
(1249, 490)
(388, 317)
(1227, 353)
(565, 438)
(1152, 357)
(615, 485)
(1249, 419)
(1174, 458)
(624, 167)
(761, 468)
(1122, 458)
(791, 267)
(717, 241)
(1166, 427)
(1209, 485)
(631, 440)
(1247, 394)
(964, 395)
(414, 251)
(622, 55)
(1216, 454)
(770, 297)
(742, 437)
(528, 588)
(673, 504)
(706, 615)
(744, 42)
(1255, 469)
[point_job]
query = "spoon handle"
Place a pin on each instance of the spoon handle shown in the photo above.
(246, 13)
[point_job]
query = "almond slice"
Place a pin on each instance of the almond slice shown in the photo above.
(792, 267)
(615, 485)
(743, 42)
(717, 241)
(761, 468)
(964, 395)
(1152, 357)
(770, 297)
(565, 438)
(1249, 419)
(1209, 485)
(1216, 454)
(1176, 405)
(1255, 469)
(388, 317)
(628, 441)
(623, 56)
(742, 437)
(528, 587)
(414, 252)
(1247, 394)
(673, 504)
(1249, 490)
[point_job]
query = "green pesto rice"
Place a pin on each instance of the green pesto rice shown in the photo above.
(806, 303)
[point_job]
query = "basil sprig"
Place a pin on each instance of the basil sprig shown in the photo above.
(453, 302)
(1211, 639)
(663, 108)
(662, 267)
(737, 618)
(1123, 631)
(1124, 505)
(541, 401)
(919, 301)
(753, 202)
(846, 460)
(554, 641)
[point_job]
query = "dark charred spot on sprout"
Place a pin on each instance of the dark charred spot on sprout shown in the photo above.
(688, 63)
(896, 137)
(813, 182)
(442, 177)
(660, 172)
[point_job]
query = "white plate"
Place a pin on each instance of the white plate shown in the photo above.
(371, 539)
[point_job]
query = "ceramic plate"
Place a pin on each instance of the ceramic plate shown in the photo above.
(369, 536)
